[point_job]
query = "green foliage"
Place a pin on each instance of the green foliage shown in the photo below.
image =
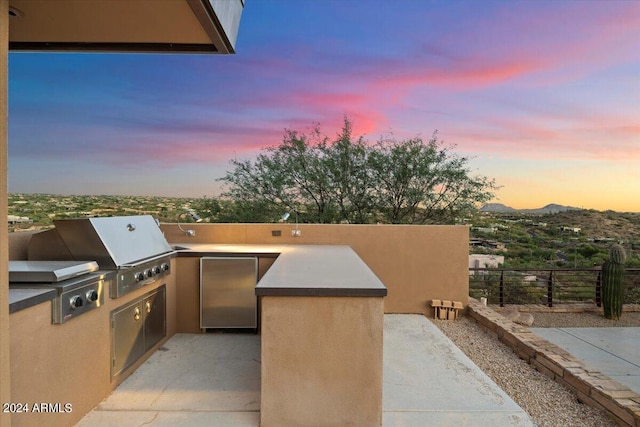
(517, 290)
(633, 296)
(348, 180)
(587, 251)
(419, 182)
(223, 211)
(347, 168)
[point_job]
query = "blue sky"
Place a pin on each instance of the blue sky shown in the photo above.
(544, 95)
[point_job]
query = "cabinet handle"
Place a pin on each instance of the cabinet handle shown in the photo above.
(136, 313)
(148, 306)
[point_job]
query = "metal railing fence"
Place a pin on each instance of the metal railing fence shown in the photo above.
(546, 286)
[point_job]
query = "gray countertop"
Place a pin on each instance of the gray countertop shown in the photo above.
(25, 295)
(21, 298)
(302, 270)
(299, 270)
(206, 249)
(320, 270)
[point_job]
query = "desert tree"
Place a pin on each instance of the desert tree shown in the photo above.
(349, 176)
(290, 176)
(420, 182)
(348, 180)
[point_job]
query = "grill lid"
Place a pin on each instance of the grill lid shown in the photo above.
(114, 242)
(48, 271)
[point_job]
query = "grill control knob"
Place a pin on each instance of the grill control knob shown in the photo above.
(148, 272)
(75, 301)
(139, 277)
(92, 296)
(164, 266)
(156, 270)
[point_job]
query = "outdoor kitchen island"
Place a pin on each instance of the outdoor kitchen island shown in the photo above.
(321, 311)
(322, 322)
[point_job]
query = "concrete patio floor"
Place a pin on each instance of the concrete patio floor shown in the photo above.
(214, 380)
(613, 351)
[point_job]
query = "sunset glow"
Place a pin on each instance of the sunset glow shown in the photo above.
(543, 96)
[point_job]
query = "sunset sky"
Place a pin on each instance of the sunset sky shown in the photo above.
(543, 95)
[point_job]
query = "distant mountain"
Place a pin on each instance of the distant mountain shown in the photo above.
(497, 207)
(548, 209)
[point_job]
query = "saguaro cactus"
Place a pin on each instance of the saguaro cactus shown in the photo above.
(613, 282)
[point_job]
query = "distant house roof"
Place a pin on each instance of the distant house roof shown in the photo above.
(13, 219)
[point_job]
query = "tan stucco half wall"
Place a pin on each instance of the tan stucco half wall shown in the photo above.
(416, 263)
(69, 363)
(321, 361)
(18, 243)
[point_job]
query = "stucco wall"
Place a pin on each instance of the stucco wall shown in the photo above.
(58, 363)
(4, 275)
(69, 363)
(188, 291)
(321, 361)
(416, 263)
(18, 243)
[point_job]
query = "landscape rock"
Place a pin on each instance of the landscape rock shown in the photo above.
(511, 313)
(514, 315)
(525, 319)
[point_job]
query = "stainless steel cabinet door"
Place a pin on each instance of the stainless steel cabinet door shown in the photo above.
(127, 337)
(154, 318)
(136, 327)
(227, 292)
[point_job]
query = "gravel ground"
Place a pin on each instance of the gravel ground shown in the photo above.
(547, 402)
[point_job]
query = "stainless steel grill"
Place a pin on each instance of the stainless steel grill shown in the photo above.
(131, 246)
(80, 287)
(48, 271)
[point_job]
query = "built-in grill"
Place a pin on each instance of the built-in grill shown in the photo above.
(133, 247)
(79, 284)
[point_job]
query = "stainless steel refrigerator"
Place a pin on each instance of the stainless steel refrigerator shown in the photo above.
(227, 292)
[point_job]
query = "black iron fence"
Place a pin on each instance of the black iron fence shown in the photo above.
(546, 286)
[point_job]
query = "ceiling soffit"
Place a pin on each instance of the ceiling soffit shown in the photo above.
(120, 25)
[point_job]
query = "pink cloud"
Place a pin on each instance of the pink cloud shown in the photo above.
(564, 44)
(517, 139)
(556, 46)
(327, 106)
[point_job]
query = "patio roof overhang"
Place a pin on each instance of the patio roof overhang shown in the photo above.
(172, 26)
